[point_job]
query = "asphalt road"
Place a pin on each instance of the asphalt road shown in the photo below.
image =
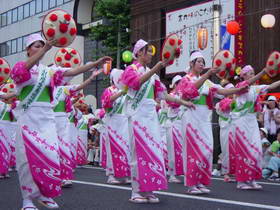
(90, 192)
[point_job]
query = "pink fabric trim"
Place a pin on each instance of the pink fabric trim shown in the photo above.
(81, 152)
(131, 78)
(106, 98)
(160, 89)
(232, 154)
(178, 152)
(225, 104)
(210, 97)
(104, 152)
(187, 89)
(172, 104)
(247, 167)
(45, 172)
(19, 73)
(242, 84)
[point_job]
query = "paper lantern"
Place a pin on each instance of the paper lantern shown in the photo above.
(127, 56)
(268, 21)
(202, 38)
(233, 27)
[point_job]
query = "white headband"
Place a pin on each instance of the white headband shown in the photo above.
(196, 55)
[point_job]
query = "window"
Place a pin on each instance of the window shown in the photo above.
(14, 15)
(59, 2)
(52, 3)
(8, 49)
(38, 6)
(4, 19)
(9, 17)
(24, 40)
(19, 44)
(2, 49)
(20, 13)
(26, 10)
(45, 5)
(66, 1)
(32, 8)
(14, 46)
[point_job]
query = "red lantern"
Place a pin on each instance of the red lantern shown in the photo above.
(202, 38)
(233, 27)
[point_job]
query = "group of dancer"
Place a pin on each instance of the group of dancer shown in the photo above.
(146, 133)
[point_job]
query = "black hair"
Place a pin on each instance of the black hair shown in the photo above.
(278, 131)
(33, 44)
(143, 49)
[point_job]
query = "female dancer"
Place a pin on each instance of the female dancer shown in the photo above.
(197, 127)
(37, 144)
(117, 145)
(147, 164)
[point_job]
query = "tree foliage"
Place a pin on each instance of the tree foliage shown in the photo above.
(117, 13)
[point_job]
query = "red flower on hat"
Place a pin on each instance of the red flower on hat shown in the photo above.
(12, 86)
(226, 54)
(180, 41)
(1, 79)
(53, 17)
(67, 17)
(63, 27)
(171, 62)
(67, 65)
(228, 65)
(270, 63)
(63, 50)
(218, 62)
(6, 70)
(222, 73)
(276, 56)
(73, 31)
(271, 72)
(74, 52)
(67, 57)
(166, 55)
(51, 32)
(76, 61)
(171, 42)
(177, 52)
(58, 59)
(1, 62)
(63, 41)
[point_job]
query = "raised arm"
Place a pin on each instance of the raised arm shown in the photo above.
(7, 96)
(180, 101)
(230, 91)
(150, 73)
(88, 81)
(204, 77)
(86, 67)
(273, 85)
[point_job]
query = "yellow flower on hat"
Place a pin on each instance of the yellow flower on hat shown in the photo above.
(238, 70)
(66, 91)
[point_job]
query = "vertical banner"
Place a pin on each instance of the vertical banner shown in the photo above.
(239, 38)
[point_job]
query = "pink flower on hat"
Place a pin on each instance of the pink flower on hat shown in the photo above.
(138, 46)
(246, 69)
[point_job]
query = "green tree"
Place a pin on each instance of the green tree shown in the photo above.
(117, 14)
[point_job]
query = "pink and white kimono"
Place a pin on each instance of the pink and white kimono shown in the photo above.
(117, 144)
(147, 163)
(103, 153)
(227, 136)
(248, 146)
(82, 141)
(197, 131)
(5, 138)
(62, 105)
(174, 138)
(37, 151)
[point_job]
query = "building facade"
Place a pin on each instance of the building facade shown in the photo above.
(18, 19)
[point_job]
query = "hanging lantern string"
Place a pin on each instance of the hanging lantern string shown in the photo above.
(205, 22)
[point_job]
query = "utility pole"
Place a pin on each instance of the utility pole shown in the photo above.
(216, 25)
(118, 45)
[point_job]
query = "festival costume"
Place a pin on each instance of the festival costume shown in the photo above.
(117, 133)
(82, 140)
(147, 163)
(36, 142)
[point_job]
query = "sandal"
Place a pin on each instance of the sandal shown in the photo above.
(138, 200)
(244, 186)
(194, 191)
(29, 208)
(152, 199)
(50, 204)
